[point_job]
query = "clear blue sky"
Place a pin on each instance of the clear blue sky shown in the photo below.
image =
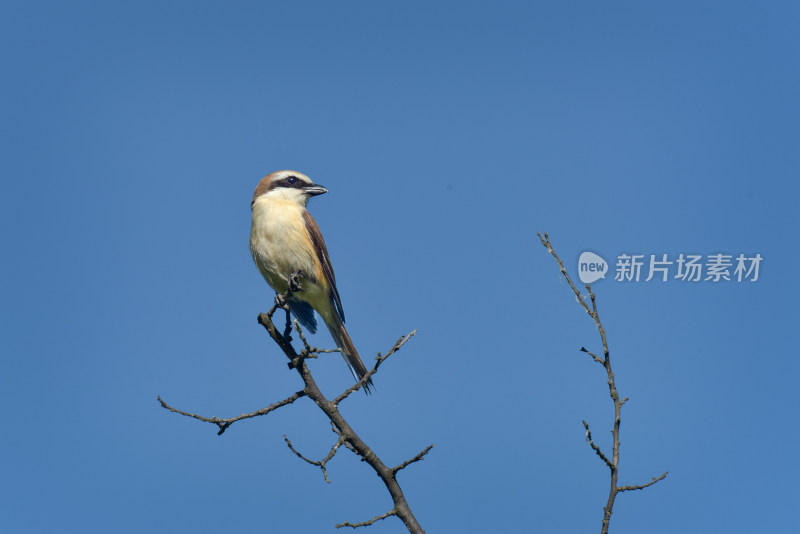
(448, 134)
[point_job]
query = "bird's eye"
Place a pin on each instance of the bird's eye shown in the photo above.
(292, 179)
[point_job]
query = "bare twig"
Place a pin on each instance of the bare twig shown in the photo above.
(593, 355)
(378, 361)
(662, 476)
(321, 463)
(546, 242)
(307, 347)
(605, 361)
(390, 513)
(223, 424)
(417, 458)
(308, 350)
(595, 447)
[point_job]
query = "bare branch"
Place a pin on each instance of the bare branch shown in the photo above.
(278, 304)
(595, 447)
(352, 440)
(605, 361)
(642, 486)
(368, 523)
(287, 329)
(593, 355)
(309, 351)
(417, 458)
(546, 242)
(378, 361)
(307, 347)
(346, 435)
(321, 463)
(223, 424)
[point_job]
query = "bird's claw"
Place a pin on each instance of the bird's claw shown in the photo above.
(294, 282)
(280, 302)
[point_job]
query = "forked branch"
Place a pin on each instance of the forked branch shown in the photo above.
(613, 463)
(223, 424)
(321, 463)
(346, 435)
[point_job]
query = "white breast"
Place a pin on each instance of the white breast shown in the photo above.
(279, 242)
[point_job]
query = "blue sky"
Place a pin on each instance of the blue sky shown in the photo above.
(448, 134)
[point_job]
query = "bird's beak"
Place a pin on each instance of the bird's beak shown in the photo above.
(314, 190)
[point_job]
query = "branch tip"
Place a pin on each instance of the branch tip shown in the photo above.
(378, 361)
(390, 513)
(418, 458)
(659, 478)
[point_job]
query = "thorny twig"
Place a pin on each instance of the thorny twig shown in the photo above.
(605, 361)
(347, 436)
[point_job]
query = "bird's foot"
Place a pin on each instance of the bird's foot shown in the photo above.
(280, 302)
(294, 282)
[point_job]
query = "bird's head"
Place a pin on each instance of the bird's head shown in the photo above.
(287, 185)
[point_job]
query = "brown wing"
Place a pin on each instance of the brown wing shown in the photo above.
(325, 261)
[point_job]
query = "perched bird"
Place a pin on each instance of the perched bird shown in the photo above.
(290, 253)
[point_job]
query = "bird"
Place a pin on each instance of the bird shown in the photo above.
(290, 253)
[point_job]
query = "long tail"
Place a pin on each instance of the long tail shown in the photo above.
(349, 352)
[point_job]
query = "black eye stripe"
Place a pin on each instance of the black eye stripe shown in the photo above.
(292, 182)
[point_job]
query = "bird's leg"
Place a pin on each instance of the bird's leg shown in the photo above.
(281, 300)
